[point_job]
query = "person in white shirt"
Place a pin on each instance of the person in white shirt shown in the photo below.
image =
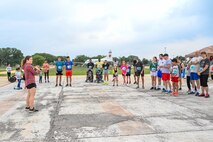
(8, 69)
(194, 77)
(159, 72)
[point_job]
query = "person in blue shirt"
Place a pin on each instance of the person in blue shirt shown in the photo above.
(59, 71)
(69, 67)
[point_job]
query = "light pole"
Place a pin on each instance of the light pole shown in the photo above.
(165, 49)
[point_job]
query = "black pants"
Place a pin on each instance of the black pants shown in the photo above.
(8, 75)
(46, 75)
(212, 76)
(188, 82)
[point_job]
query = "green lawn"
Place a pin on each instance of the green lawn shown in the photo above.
(76, 71)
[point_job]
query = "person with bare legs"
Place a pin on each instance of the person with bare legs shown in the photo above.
(69, 68)
(46, 71)
(166, 74)
(106, 72)
(59, 71)
(204, 75)
(124, 71)
(138, 73)
(30, 84)
(194, 77)
(128, 74)
(153, 72)
(159, 72)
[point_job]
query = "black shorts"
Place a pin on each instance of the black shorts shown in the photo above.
(128, 74)
(137, 73)
(30, 86)
(204, 80)
(59, 73)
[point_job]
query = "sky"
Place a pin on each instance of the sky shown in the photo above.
(93, 27)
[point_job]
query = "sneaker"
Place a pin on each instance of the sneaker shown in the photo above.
(197, 94)
(158, 89)
(191, 93)
(173, 93)
(137, 87)
(151, 88)
(202, 95)
(113, 85)
(164, 91)
(207, 96)
(70, 85)
(45, 81)
(60, 85)
(33, 110)
(117, 84)
(66, 85)
(169, 92)
(143, 87)
(135, 82)
(176, 94)
(56, 85)
(180, 88)
(27, 108)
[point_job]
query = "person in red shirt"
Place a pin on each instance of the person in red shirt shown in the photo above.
(30, 84)
(46, 71)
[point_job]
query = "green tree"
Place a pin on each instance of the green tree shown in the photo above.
(38, 60)
(145, 61)
(50, 58)
(11, 56)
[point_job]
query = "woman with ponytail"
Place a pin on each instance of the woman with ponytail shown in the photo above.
(29, 73)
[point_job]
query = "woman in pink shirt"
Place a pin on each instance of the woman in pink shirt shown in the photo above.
(30, 84)
(46, 71)
(124, 68)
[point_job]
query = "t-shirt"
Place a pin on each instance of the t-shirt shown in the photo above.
(124, 69)
(9, 69)
(106, 66)
(18, 74)
(161, 63)
(138, 66)
(59, 65)
(175, 71)
(115, 72)
(99, 64)
(166, 63)
(153, 67)
(203, 63)
(195, 68)
(128, 69)
(90, 65)
(46, 67)
(68, 65)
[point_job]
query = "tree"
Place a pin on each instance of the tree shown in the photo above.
(10, 56)
(50, 58)
(38, 60)
(145, 61)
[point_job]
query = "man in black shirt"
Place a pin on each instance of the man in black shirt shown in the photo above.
(139, 71)
(90, 67)
(204, 74)
(106, 71)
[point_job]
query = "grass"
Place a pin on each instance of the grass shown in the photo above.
(76, 71)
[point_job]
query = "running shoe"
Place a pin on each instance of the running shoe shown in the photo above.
(197, 94)
(191, 93)
(56, 85)
(164, 91)
(202, 95)
(27, 108)
(207, 96)
(67, 85)
(60, 85)
(151, 88)
(169, 92)
(70, 85)
(33, 110)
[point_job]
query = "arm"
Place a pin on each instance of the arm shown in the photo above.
(30, 69)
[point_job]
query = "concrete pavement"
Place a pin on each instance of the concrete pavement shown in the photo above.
(100, 113)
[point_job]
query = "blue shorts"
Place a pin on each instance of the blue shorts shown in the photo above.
(194, 76)
(159, 74)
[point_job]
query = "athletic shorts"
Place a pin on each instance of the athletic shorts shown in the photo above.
(175, 79)
(137, 73)
(59, 73)
(106, 72)
(128, 74)
(159, 74)
(194, 76)
(204, 80)
(68, 72)
(123, 74)
(153, 73)
(165, 76)
(30, 86)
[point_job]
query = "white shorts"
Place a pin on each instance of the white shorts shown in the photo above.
(153, 73)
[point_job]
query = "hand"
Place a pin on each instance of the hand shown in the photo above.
(199, 73)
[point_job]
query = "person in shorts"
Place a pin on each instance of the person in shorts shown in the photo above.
(115, 75)
(106, 71)
(59, 71)
(204, 75)
(194, 77)
(175, 76)
(134, 63)
(159, 72)
(128, 73)
(123, 69)
(139, 71)
(153, 72)
(165, 68)
(69, 66)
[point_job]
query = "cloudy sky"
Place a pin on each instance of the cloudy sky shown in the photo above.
(91, 27)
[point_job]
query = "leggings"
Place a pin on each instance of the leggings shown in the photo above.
(188, 82)
(46, 75)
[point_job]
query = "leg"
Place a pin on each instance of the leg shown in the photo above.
(67, 80)
(188, 83)
(48, 75)
(70, 80)
(60, 79)
(45, 76)
(32, 97)
(28, 99)
(56, 79)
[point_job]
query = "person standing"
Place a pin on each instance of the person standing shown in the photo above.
(59, 71)
(128, 74)
(175, 76)
(204, 75)
(115, 75)
(188, 81)
(30, 84)
(139, 71)
(9, 70)
(46, 71)
(69, 67)
(166, 74)
(123, 69)
(153, 72)
(182, 72)
(106, 72)
(18, 76)
(159, 72)
(194, 77)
